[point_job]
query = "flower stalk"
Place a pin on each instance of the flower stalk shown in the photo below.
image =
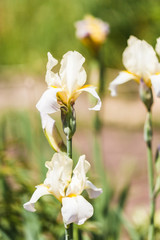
(147, 99)
(69, 123)
(148, 139)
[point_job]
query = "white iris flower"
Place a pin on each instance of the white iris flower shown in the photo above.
(141, 62)
(67, 188)
(63, 90)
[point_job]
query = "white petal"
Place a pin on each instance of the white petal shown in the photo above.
(48, 101)
(78, 181)
(155, 79)
(51, 61)
(92, 91)
(72, 73)
(59, 174)
(140, 58)
(120, 79)
(158, 46)
(52, 79)
(76, 210)
(52, 134)
(92, 190)
(39, 192)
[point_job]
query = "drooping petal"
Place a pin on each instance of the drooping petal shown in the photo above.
(48, 101)
(155, 79)
(158, 46)
(39, 192)
(52, 134)
(76, 210)
(78, 181)
(92, 91)
(123, 77)
(59, 174)
(92, 190)
(73, 75)
(140, 58)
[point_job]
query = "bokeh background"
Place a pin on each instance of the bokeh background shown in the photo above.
(28, 30)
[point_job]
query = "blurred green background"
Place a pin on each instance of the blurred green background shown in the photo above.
(28, 30)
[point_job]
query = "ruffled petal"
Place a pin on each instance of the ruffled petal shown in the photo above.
(76, 210)
(123, 77)
(72, 73)
(140, 58)
(51, 61)
(39, 192)
(79, 177)
(92, 190)
(59, 174)
(51, 78)
(52, 134)
(92, 91)
(155, 79)
(48, 101)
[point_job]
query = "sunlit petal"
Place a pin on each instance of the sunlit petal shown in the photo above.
(155, 79)
(48, 101)
(76, 210)
(92, 91)
(72, 73)
(140, 58)
(39, 192)
(92, 190)
(59, 174)
(52, 133)
(123, 77)
(79, 177)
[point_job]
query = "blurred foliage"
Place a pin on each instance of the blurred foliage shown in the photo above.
(29, 29)
(23, 152)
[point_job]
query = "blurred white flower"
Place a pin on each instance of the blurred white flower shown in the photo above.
(141, 62)
(93, 29)
(67, 188)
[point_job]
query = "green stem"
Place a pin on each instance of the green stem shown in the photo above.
(101, 88)
(151, 193)
(148, 133)
(69, 147)
(69, 228)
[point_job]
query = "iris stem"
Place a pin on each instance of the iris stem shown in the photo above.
(69, 228)
(101, 88)
(150, 177)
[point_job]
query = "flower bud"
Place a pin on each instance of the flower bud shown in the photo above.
(68, 117)
(146, 95)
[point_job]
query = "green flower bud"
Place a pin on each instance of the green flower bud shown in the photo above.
(68, 117)
(146, 95)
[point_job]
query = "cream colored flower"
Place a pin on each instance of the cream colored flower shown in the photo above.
(64, 87)
(141, 62)
(67, 189)
(92, 28)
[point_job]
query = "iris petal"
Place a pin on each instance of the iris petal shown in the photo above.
(92, 190)
(123, 77)
(76, 210)
(39, 192)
